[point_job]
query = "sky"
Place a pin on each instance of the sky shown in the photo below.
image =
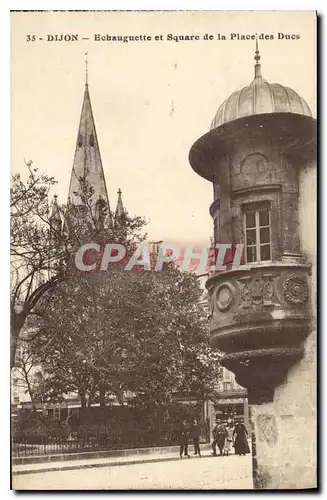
(151, 100)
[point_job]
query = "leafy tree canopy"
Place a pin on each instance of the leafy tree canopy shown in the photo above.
(143, 334)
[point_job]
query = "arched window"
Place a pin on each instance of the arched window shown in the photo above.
(92, 140)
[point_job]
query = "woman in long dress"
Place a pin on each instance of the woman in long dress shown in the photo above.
(241, 443)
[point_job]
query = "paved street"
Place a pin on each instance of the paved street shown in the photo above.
(207, 473)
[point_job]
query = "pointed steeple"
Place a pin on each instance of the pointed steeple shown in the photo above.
(120, 211)
(87, 160)
(55, 217)
(55, 212)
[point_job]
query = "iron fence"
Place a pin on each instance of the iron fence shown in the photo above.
(35, 445)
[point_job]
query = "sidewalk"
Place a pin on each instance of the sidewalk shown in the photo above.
(134, 457)
(169, 473)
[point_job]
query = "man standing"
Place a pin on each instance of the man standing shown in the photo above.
(183, 439)
(196, 432)
(219, 436)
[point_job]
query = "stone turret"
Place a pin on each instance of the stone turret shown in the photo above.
(260, 156)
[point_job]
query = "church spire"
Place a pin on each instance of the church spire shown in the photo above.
(87, 166)
(55, 212)
(55, 217)
(120, 211)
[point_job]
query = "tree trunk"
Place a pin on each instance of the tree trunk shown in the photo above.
(17, 321)
(30, 392)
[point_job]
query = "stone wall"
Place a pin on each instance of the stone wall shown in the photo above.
(285, 429)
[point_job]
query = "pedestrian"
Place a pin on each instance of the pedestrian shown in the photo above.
(241, 443)
(219, 436)
(183, 439)
(196, 432)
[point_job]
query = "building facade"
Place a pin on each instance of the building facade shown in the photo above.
(260, 156)
(231, 400)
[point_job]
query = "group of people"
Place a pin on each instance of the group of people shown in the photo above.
(226, 436)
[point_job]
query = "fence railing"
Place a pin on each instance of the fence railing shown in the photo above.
(28, 446)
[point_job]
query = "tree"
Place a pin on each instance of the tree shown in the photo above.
(27, 375)
(33, 251)
(44, 241)
(119, 332)
(142, 333)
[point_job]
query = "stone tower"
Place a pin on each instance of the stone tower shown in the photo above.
(260, 156)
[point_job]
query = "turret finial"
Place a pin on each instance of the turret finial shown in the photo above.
(257, 57)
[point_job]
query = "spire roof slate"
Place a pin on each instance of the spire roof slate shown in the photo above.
(87, 160)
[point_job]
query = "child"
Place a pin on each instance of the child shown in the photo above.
(229, 440)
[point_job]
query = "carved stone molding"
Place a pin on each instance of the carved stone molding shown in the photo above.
(267, 429)
(257, 291)
(257, 323)
(224, 296)
(295, 289)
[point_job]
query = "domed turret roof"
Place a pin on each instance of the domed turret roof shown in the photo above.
(258, 98)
